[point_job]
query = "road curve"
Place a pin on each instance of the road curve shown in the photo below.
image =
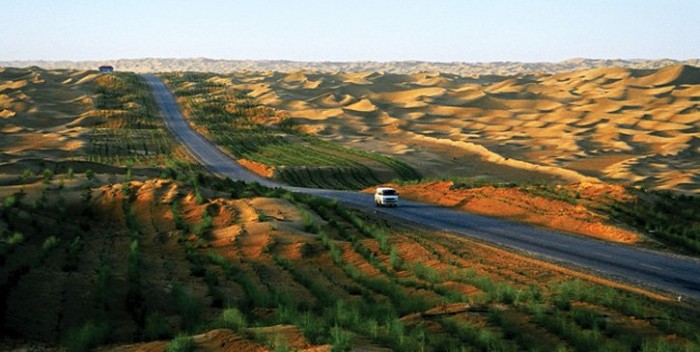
(673, 273)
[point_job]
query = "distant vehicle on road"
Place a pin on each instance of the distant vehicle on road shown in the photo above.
(386, 196)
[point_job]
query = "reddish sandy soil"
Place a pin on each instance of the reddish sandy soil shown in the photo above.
(225, 340)
(522, 205)
(258, 168)
(250, 242)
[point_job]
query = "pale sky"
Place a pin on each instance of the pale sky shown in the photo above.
(330, 30)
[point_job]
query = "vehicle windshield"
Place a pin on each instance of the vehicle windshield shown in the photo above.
(389, 192)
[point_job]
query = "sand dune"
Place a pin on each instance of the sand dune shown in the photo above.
(363, 105)
(607, 123)
(601, 123)
(42, 113)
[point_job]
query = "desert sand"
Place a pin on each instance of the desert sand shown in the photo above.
(611, 124)
(40, 111)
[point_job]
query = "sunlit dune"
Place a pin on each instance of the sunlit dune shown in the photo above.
(600, 123)
(363, 105)
(613, 124)
(41, 113)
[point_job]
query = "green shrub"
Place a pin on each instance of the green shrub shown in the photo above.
(504, 293)
(394, 259)
(202, 229)
(426, 273)
(588, 319)
(188, 307)
(207, 220)
(341, 340)
(16, 239)
(50, 243)
(483, 338)
(512, 329)
(181, 343)
(157, 327)
(670, 218)
(133, 272)
(104, 288)
(47, 175)
(87, 337)
(661, 345)
(10, 202)
(309, 225)
(73, 252)
(180, 223)
(218, 259)
(320, 292)
(582, 339)
(26, 174)
(346, 314)
(280, 345)
(231, 318)
(395, 329)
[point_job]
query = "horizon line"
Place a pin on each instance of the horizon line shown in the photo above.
(348, 61)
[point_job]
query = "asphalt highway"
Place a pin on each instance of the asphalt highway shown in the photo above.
(674, 273)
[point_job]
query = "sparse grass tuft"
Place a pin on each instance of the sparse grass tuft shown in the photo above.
(231, 318)
(181, 343)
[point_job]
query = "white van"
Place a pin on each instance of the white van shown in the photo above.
(386, 196)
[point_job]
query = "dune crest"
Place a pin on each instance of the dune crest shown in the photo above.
(364, 105)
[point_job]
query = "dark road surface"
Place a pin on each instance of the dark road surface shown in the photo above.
(677, 274)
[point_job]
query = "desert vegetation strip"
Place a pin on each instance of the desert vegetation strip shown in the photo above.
(82, 122)
(615, 212)
(128, 129)
(670, 218)
(172, 259)
(256, 133)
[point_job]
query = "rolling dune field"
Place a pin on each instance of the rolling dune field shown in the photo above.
(611, 124)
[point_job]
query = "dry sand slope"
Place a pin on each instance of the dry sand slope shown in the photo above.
(41, 111)
(611, 123)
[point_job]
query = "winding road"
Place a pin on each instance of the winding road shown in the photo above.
(677, 274)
